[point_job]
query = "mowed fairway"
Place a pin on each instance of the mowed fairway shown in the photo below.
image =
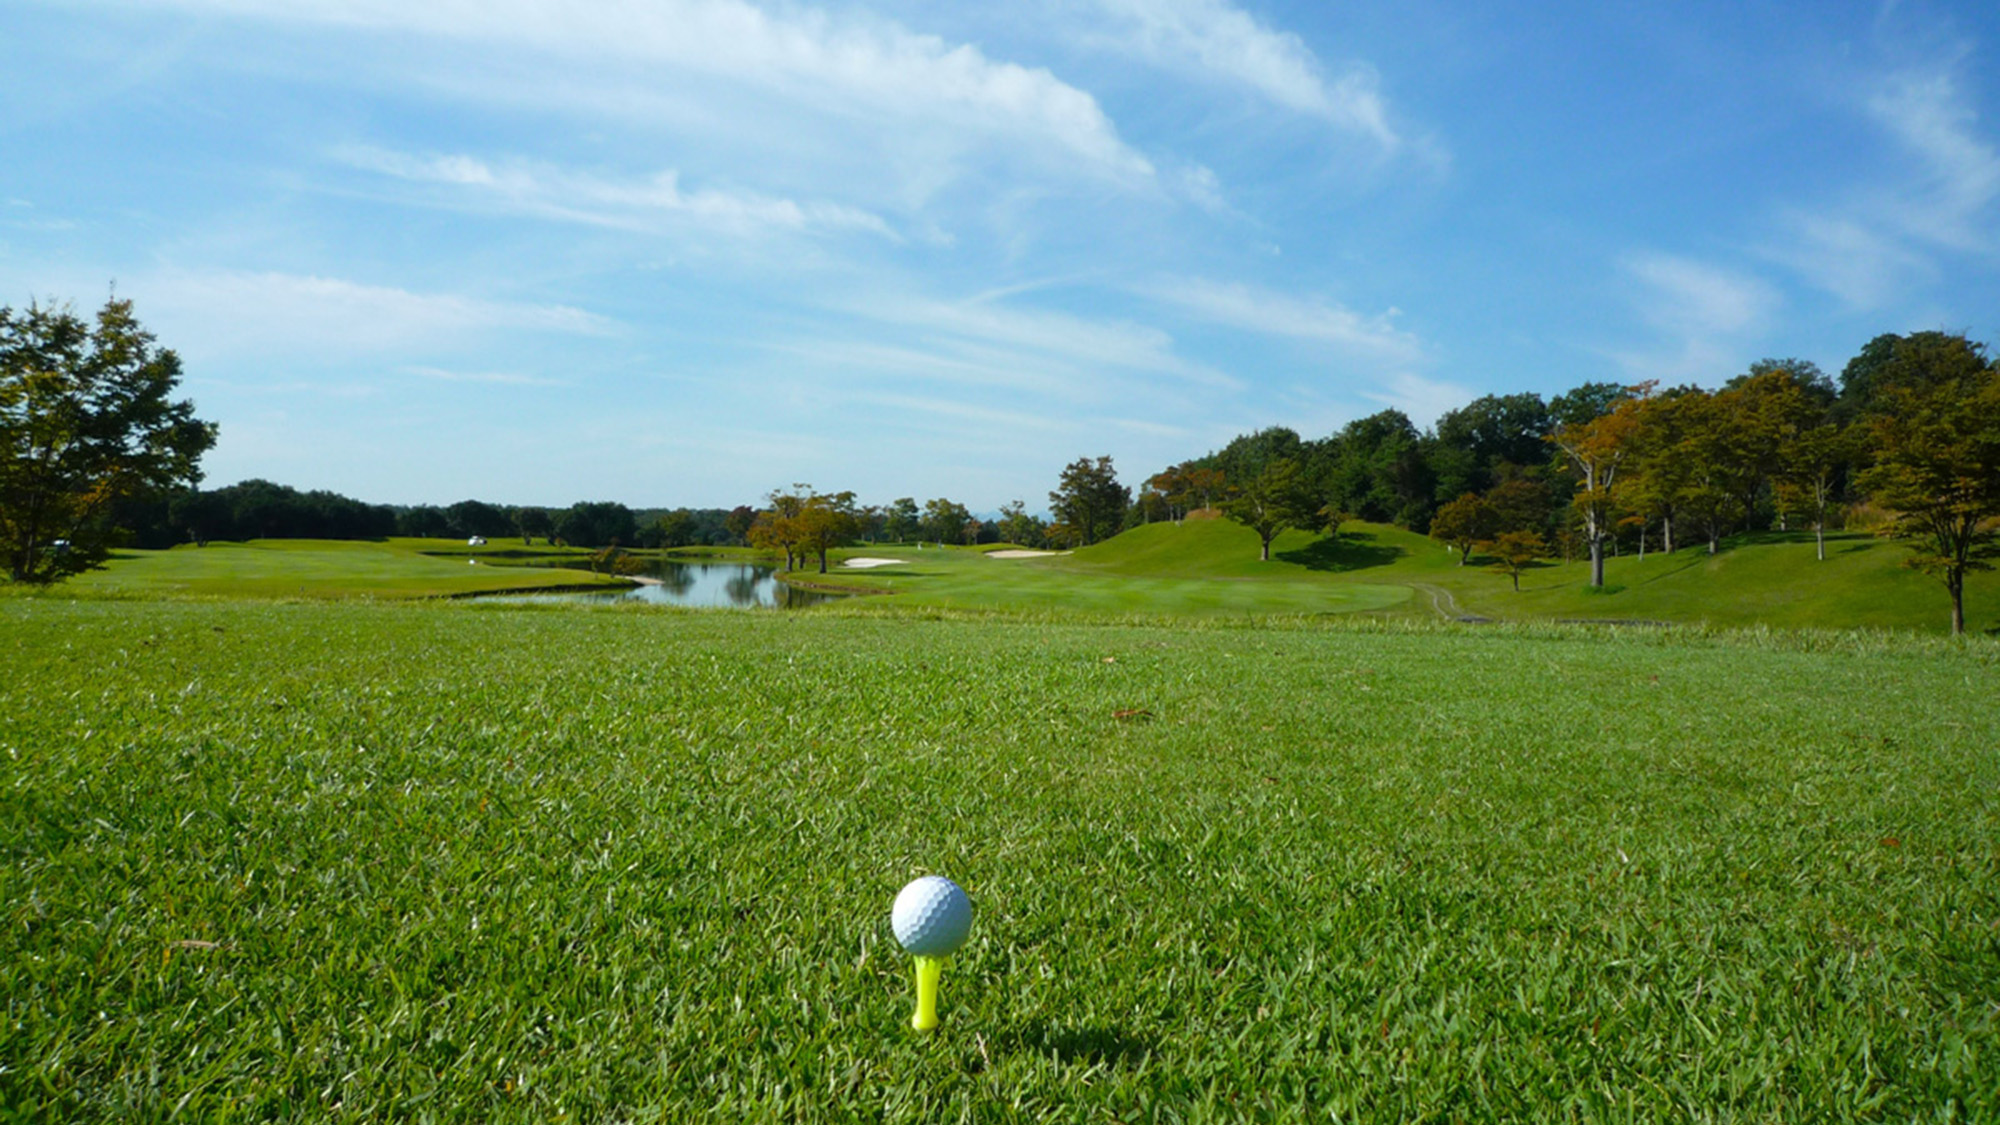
(367, 862)
(324, 568)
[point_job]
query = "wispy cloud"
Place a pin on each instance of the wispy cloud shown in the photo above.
(648, 204)
(1217, 38)
(273, 314)
(492, 378)
(1423, 400)
(1950, 201)
(1873, 246)
(800, 54)
(1701, 314)
(1277, 314)
(1043, 336)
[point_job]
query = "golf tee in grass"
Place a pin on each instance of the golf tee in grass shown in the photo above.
(931, 918)
(929, 969)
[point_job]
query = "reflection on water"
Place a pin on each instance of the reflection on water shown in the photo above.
(706, 585)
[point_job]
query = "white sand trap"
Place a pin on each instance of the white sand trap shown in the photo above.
(869, 564)
(1023, 554)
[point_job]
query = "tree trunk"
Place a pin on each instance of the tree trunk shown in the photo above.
(1667, 534)
(1819, 537)
(822, 560)
(1516, 575)
(1642, 542)
(1596, 563)
(1955, 582)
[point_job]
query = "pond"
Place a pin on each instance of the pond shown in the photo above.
(698, 584)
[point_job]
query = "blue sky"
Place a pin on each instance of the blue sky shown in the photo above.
(685, 251)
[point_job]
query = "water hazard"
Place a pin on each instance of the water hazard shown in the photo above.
(702, 585)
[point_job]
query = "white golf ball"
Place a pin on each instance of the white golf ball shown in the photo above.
(931, 917)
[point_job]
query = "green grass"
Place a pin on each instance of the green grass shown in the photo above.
(325, 568)
(475, 863)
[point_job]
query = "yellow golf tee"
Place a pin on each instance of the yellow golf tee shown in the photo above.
(928, 971)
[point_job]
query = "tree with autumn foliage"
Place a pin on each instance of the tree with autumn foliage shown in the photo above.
(1513, 552)
(826, 521)
(1464, 523)
(777, 528)
(1934, 427)
(1597, 449)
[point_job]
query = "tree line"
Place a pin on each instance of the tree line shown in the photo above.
(1908, 439)
(261, 509)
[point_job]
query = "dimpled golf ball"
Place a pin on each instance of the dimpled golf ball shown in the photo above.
(931, 917)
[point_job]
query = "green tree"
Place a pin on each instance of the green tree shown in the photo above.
(86, 419)
(944, 520)
(903, 519)
(476, 517)
(1814, 462)
(738, 522)
(1090, 500)
(1515, 551)
(1474, 440)
(1464, 523)
(1271, 501)
(531, 521)
(1378, 471)
(599, 523)
(1018, 527)
(670, 529)
(1934, 425)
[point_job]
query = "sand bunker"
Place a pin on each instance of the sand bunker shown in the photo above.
(1022, 554)
(867, 564)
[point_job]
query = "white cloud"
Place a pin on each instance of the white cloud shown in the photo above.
(1041, 337)
(1423, 400)
(804, 55)
(1276, 314)
(1703, 315)
(538, 189)
(495, 378)
(1872, 247)
(262, 315)
(1853, 260)
(1949, 203)
(1692, 298)
(1220, 39)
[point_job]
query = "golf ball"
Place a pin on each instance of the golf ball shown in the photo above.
(931, 917)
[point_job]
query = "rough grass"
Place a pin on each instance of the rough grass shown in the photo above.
(368, 862)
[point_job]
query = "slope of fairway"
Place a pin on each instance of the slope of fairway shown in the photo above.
(322, 568)
(1765, 579)
(1771, 578)
(343, 861)
(967, 579)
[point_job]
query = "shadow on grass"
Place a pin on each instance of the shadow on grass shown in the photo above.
(1342, 552)
(1092, 1043)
